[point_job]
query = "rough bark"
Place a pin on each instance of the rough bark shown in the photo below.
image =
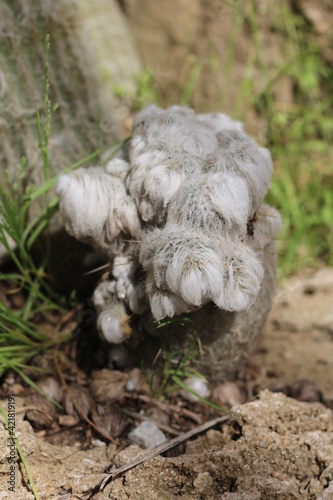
(91, 52)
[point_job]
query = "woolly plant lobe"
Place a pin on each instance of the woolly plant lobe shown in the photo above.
(200, 269)
(212, 203)
(96, 207)
(184, 264)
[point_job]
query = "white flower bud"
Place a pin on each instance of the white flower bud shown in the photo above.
(104, 294)
(112, 323)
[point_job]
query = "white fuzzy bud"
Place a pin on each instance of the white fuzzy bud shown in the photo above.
(243, 274)
(112, 323)
(95, 206)
(131, 291)
(117, 167)
(104, 294)
(110, 327)
(168, 304)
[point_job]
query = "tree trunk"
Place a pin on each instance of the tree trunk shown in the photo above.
(91, 53)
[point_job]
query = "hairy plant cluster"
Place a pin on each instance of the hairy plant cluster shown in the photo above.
(181, 215)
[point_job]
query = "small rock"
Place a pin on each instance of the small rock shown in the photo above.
(132, 452)
(98, 442)
(51, 387)
(227, 393)
(45, 411)
(67, 420)
(147, 435)
(157, 415)
(203, 481)
(134, 381)
(198, 385)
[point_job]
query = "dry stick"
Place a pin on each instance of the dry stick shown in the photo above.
(187, 413)
(167, 407)
(66, 318)
(100, 268)
(162, 448)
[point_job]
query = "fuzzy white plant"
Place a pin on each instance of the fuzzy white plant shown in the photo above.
(95, 205)
(188, 193)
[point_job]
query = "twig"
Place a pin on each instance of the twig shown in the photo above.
(162, 448)
(187, 413)
(168, 407)
(67, 317)
(97, 269)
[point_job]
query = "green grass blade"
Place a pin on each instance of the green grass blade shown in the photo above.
(29, 381)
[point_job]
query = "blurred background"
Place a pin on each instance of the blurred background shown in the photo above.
(268, 64)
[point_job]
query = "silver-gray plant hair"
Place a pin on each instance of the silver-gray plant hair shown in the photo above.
(176, 216)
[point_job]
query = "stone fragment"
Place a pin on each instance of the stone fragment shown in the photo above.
(147, 435)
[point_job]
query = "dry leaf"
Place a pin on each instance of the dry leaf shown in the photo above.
(108, 385)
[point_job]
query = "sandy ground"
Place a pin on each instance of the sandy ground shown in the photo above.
(297, 342)
(274, 447)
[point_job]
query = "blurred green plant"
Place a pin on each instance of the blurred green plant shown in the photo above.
(146, 90)
(299, 137)
(20, 337)
(192, 80)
